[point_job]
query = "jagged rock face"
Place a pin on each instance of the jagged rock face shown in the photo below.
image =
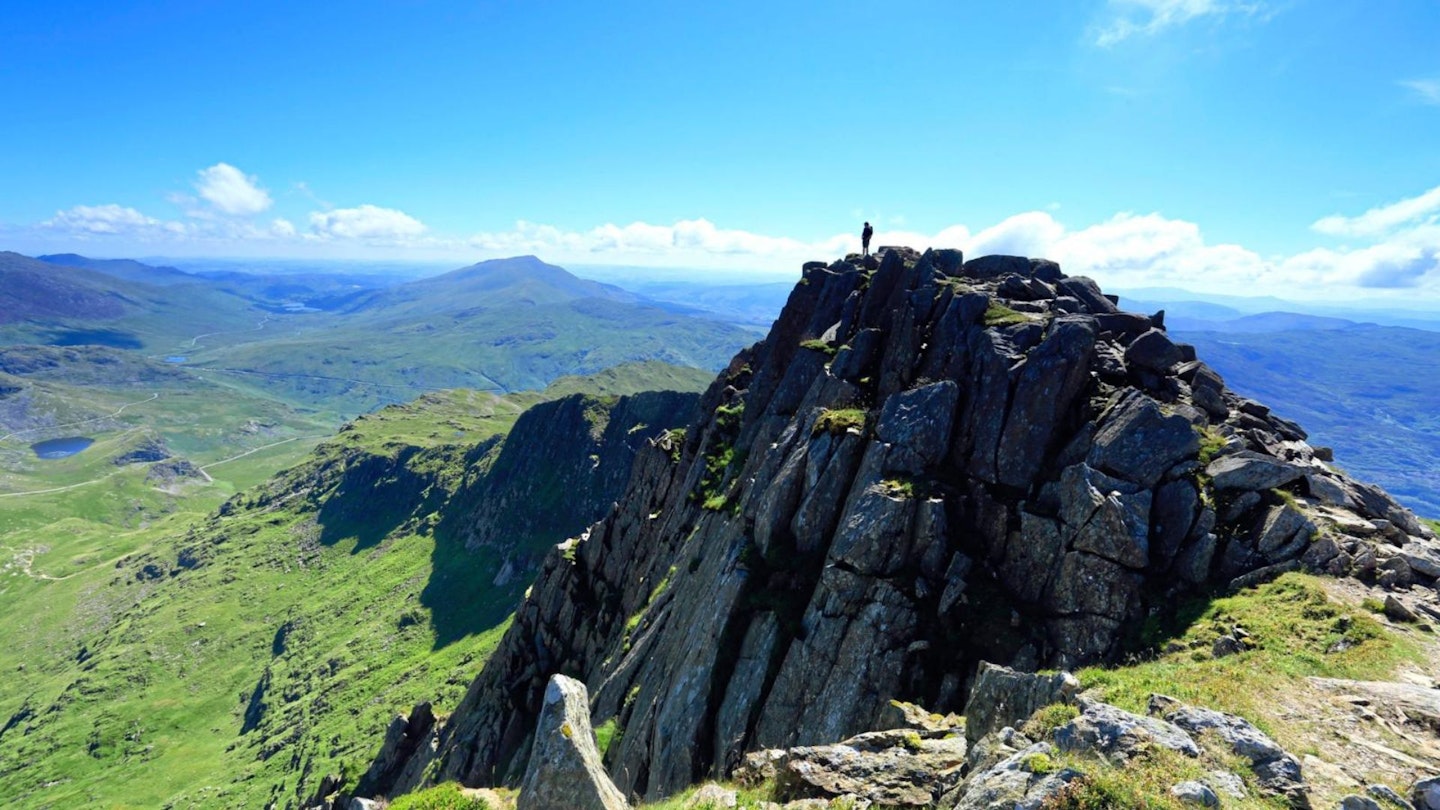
(996, 463)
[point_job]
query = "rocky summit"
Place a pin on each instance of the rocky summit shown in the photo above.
(928, 463)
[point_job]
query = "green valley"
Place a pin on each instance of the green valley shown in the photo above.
(242, 655)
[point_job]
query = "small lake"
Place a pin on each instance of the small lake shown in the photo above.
(61, 448)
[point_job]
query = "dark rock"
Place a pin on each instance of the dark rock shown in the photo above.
(1153, 351)
(1046, 270)
(1226, 645)
(1138, 442)
(1088, 293)
(1399, 611)
(1251, 471)
(1425, 794)
(917, 423)
(992, 267)
(1053, 375)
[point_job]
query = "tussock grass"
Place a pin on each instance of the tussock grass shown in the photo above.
(1296, 630)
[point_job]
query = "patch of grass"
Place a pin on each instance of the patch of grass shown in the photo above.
(838, 421)
(746, 798)
(1144, 781)
(817, 345)
(1297, 632)
(446, 796)
(607, 734)
(1212, 442)
(998, 314)
(1039, 763)
(1042, 722)
(898, 487)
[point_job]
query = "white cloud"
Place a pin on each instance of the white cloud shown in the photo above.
(1148, 17)
(1427, 91)
(1383, 218)
(109, 219)
(282, 228)
(366, 222)
(231, 191)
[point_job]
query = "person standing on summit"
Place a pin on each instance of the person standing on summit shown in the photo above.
(865, 239)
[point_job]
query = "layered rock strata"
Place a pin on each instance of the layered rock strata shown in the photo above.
(928, 462)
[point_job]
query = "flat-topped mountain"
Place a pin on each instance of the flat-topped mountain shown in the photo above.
(926, 464)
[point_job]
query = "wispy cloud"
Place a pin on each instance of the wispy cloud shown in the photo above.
(1422, 208)
(1426, 91)
(1138, 18)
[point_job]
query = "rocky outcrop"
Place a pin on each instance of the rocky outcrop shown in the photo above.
(564, 769)
(1277, 771)
(924, 465)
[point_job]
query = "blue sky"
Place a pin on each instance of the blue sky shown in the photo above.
(1285, 146)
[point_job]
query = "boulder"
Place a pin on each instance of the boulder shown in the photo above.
(1117, 734)
(565, 769)
(1195, 793)
(1277, 771)
(1425, 794)
(1024, 779)
(1003, 697)
(897, 768)
(711, 797)
(1153, 351)
(1251, 471)
(1354, 802)
(1137, 441)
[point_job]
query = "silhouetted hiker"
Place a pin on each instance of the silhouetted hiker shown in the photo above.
(865, 239)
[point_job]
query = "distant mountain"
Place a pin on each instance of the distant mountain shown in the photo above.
(518, 281)
(125, 269)
(1184, 307)
(503, 325)
(1371, 392)
(1263, 322)
(31, 289)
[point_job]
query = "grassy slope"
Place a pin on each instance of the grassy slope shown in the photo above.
(310, 617)
(363, 360)
(133, 669)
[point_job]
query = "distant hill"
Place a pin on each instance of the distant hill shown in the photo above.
(1368, 391)
(124, 269)
(31, 289)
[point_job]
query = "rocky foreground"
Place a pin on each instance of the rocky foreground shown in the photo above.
(927, 464)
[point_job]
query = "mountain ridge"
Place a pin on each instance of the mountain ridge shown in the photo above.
(927, 463)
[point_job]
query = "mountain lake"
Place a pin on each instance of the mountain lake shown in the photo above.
(61, 448)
